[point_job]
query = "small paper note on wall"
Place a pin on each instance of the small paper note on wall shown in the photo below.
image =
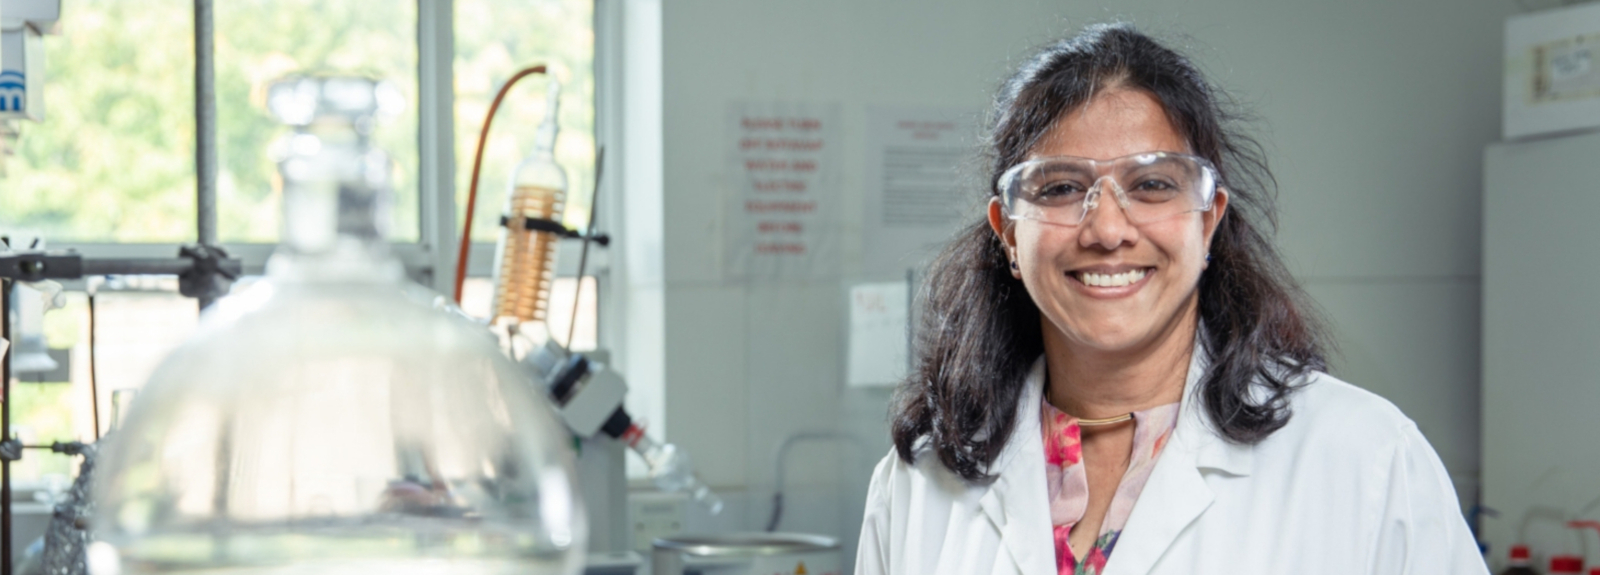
(879, 341)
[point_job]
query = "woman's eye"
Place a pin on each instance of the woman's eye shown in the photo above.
(1155, 186)
(1060, 191)
(1152, 191)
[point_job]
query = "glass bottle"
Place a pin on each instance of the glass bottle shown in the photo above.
(671, 470)
(331, 418)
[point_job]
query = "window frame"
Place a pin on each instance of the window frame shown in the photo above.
(431, 260)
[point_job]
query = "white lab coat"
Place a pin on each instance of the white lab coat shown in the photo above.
(1348, 487)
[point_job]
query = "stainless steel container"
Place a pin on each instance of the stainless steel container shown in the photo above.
(746, 553)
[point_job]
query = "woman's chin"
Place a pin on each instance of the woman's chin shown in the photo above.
(1111, 335)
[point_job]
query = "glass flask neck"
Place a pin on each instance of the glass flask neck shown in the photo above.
(350, 260)
(335, 208)
(544, 142)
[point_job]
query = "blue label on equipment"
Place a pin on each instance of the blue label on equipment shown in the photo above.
(13, 87)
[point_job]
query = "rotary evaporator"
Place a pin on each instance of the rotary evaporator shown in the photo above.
(589, 394)
(334, 416)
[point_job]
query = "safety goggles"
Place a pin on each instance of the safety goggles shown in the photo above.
(1149, 187)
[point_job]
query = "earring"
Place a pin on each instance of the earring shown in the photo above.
(1208, 258)
(1014, 266)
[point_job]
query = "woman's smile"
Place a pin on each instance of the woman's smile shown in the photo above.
(1110, 281)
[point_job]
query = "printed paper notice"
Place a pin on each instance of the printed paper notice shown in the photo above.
(782, 220)
(879, 341)
(918, 194)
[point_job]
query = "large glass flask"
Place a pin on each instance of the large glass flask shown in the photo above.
(333, 417)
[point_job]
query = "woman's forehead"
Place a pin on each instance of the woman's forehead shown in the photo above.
(1114, 123)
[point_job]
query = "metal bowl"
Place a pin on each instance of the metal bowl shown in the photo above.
(746, 544)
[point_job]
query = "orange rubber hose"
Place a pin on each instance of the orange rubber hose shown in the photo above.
(477, 165)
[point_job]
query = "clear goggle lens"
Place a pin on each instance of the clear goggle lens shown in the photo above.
(1152, 186)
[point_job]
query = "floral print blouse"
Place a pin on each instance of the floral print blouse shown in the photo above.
(1068, 481)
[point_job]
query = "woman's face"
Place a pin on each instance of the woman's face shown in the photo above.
(1052, 260)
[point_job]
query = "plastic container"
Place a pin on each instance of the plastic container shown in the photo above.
(1566, 564)
(1521, 562)
(334, 417)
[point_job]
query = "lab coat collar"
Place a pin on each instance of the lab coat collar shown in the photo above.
(1016, 502)
(1195, 430)
(1177, 493)
(1174, 496)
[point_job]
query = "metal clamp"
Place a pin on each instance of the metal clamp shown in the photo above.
(212, 274)
(70, 447)
(32, 266)
(554, 227)
(10, 449)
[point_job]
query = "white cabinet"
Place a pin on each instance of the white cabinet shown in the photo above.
(1541, 343)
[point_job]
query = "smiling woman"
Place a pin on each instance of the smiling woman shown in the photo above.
(1116, 373)
(1080, 273)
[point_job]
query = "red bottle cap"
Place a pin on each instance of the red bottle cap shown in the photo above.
(1594, 571)
(1519, 552)
(1566, 564)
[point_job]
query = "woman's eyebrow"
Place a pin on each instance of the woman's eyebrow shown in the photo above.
(1188, 169)
(1053, 167)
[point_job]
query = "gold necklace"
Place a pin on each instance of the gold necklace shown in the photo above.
(1085, 422)
(1107, 421)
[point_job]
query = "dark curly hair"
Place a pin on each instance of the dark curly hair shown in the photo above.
(980, 332)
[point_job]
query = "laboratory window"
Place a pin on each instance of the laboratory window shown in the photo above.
(114, 162)
(111, 170)
(495, 39)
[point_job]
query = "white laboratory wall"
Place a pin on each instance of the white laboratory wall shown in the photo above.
(1375, 114)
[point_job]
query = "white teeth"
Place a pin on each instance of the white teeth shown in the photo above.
(1111, 280)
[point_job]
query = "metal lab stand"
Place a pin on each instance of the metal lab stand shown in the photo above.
(204, 270)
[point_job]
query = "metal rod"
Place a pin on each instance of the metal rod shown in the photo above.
(783, 451)
(205, 129)
(583, 253)
(436, 138)
(136, 266)
(5, 430)
(94, 378)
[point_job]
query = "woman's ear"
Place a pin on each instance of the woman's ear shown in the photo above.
(1213, 216)
(1002, 225)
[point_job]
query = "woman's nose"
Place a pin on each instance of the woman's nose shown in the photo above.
(1106, 224)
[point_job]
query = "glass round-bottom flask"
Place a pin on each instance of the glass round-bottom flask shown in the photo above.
(330, 418)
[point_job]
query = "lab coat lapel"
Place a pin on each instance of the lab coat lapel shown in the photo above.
(1173, 497)
(1176, 493)
(1017, 501)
